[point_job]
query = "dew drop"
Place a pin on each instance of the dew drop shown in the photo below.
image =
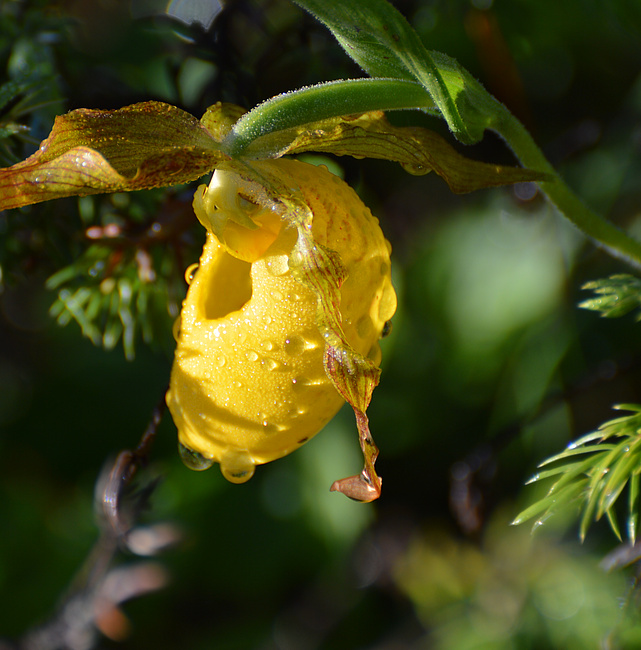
(415, 170)
(300, 383)
(193, 459)
(269, 363)
(221, 360)
(276, 295)
(237, 467)
(268, 346)
(294, 345)
(251, 355)
(268, 427)
(278, 265)
(191, 272)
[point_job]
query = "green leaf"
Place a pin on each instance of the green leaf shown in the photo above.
(576, 452)
(633, 505)
(571, 472)
(88, 152)
(554, 501)
(383, 43)
(555, 471)
(614, 524)
(626, 461)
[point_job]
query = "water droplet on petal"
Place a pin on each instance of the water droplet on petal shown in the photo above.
(300, 383)
(269, 363)
(191, 272)
(294, 345)
(415, 170)
(237, 467)
(251, 355)
(278, 265)
(193, 459)
(176, 329)
(221, 360)
(268, 346)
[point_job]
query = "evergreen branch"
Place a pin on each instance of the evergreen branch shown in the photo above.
(616, 296)
(598, 481)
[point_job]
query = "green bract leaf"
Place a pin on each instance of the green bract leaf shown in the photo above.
(383, 43)
(89, 151)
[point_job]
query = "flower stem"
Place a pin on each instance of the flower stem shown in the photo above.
(618, 243)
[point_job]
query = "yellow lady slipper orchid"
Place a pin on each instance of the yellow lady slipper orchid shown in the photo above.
(250, 381)
(281, 321)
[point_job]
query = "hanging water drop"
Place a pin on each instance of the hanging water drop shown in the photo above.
(193, 459)
(191, 272)
(237, 467)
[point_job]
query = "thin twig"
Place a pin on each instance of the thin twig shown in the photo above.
(92, 602)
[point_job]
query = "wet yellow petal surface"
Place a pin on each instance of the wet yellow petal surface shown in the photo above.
(248, 383)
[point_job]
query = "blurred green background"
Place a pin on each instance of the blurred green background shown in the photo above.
(489, 369)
